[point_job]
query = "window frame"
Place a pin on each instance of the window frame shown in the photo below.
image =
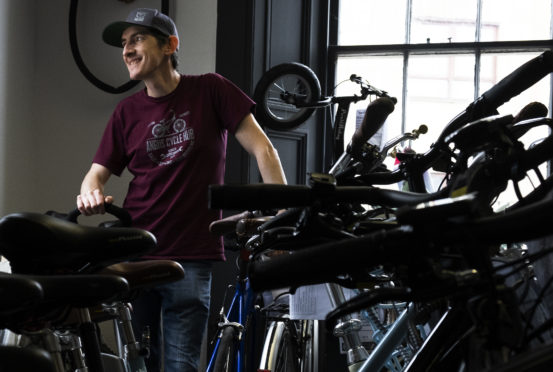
(476, 48)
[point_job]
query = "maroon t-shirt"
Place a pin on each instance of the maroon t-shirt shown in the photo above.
(175, 146)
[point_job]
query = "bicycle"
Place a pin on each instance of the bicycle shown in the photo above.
(88, 253)
(454, 218)
(235, 347)
(497, 95)
(288, 94)
(348, 328)
(374, 118)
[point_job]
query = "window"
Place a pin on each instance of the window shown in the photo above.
(437, 56)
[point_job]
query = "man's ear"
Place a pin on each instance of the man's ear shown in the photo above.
(173, 43)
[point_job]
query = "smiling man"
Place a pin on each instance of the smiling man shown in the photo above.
(172, 138)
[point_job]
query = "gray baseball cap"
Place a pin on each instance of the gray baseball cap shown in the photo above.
(146, 17)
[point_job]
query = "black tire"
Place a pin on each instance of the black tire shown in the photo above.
(282, 352)
(226, 353)
(295, 78)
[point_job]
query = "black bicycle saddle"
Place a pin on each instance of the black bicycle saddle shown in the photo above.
(18, 293)
(36, 243)
(60, 294)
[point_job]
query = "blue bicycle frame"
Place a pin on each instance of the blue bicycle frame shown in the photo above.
(241, 306)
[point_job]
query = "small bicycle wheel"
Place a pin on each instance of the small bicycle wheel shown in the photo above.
(279, 89)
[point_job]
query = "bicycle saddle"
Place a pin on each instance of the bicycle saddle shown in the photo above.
(61, 293)
(18, 359)
(18, 293)
(144, 274)
(37, 243)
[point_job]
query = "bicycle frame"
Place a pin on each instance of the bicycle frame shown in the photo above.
(241, 306)
(388, 344)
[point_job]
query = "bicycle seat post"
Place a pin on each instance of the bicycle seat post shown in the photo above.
(347, 329)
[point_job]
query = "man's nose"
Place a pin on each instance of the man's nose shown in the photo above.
(127, 49)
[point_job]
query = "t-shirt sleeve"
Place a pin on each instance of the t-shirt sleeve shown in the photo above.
(111, 151)
(232, 104)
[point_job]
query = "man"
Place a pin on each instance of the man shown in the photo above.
(171, 136)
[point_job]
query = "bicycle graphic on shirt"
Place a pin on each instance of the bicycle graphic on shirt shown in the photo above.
(169, 126)
(171, 139)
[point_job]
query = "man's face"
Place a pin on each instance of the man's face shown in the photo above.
(141, 53)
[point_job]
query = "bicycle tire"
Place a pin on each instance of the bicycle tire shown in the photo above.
(296, 78)
(225, 358)
(282, 354)
(309, 330)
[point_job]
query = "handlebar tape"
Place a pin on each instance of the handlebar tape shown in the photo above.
(323, 263)
(375, 115)
(519, 80)
(266, 196)
(510, 86)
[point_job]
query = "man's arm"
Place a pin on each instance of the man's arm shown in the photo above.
(91, 199)
(252, 138)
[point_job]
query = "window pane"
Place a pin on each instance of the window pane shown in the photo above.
(382, 72)
(365, 22)
(520, 20)
(438, 88)
(442, 21)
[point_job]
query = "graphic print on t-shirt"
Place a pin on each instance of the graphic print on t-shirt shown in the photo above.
(171, 139)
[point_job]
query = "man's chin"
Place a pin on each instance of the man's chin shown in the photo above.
(134, 76)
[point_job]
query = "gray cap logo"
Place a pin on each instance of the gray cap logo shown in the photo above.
(140, 17)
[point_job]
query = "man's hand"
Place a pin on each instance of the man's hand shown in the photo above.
(91, 199)
(92, 202)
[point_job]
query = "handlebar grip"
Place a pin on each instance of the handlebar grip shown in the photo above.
(257, 196)
(324, 263)
(120, 213)
(519, 80)
(375, 115)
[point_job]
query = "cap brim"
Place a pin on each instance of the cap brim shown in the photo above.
(113, 32)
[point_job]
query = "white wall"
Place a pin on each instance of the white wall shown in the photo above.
(51, 117)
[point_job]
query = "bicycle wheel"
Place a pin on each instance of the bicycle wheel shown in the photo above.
(282, 351)
(309, 345)
(292, 81)
(226, 353)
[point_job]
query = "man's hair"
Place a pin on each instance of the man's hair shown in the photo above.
(163, 40)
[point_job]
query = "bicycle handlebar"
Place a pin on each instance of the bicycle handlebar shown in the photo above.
(267, 196)
(519, 80)
(439, 223)
(396, 246)
(120, 213)
(510, 86)
(327, 261)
